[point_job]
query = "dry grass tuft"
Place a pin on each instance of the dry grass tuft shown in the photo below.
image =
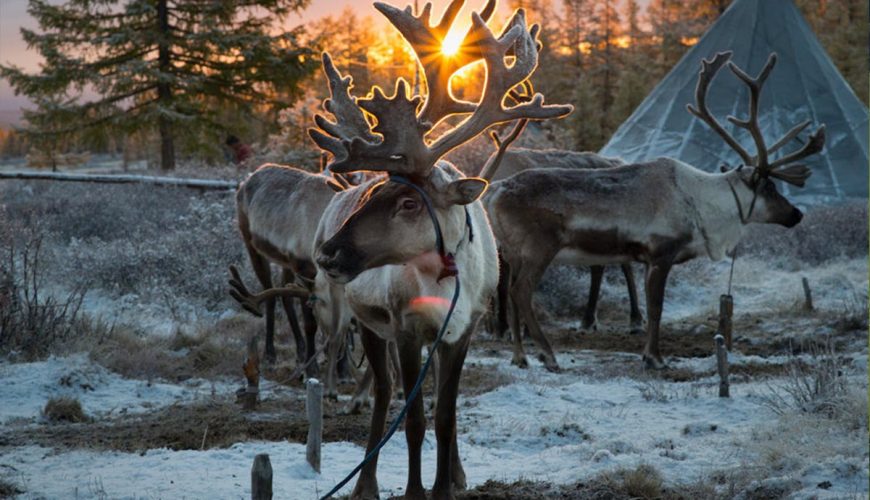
(815, 386)
(644, 481)
(212, 351)
(64, 409)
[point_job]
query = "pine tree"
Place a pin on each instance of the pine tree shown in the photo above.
(173, 66)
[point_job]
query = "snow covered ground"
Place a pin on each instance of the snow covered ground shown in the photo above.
(597, 415)
(558, 428)
(28, 386)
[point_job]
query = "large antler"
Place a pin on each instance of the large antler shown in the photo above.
(428, 42)
(402, 147)
(349, 121)
(781, 168)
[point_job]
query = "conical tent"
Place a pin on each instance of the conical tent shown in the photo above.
(803, 85)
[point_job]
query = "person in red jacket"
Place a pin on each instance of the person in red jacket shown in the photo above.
(240, 151)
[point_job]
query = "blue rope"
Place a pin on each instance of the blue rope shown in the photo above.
(439, 240)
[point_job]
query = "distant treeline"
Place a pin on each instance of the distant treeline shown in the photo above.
(602, 56)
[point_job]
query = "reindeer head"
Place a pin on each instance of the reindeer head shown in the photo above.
(757, 172)
(392, 222)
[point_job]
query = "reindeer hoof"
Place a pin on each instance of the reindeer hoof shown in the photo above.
(520, 361)
(654, 362)
(550, 364)
(588, 327)
(365, 491)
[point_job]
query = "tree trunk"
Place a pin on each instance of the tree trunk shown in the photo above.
(164, 91)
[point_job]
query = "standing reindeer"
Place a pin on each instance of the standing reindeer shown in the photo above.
(377, 240)
(516, 160)
(659, 213)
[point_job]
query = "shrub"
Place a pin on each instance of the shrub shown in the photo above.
(31, 321)
(64, 409)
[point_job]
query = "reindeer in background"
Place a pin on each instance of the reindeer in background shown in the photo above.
(510, 162)
(660, 213)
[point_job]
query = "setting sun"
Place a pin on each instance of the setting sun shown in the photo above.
(450, 45)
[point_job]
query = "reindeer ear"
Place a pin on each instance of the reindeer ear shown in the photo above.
(723, 168)
(465, 191)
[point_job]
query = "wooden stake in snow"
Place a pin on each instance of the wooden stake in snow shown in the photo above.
(722, 366)
(808, 294)
(261, 478)
(202, 184)
(314, 408)
(726, 311)
(252, 374)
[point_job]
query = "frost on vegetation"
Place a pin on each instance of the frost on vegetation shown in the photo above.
(816, 384)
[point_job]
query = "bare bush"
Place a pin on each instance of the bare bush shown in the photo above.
(31, 321)
(815, 386)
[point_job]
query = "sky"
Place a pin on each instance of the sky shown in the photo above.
(13, 16)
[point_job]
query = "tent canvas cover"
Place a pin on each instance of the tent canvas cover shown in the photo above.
(804, 85)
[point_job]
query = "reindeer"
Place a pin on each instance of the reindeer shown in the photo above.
(516, 160)
(660, 213)
(278, 209)
(376, 241)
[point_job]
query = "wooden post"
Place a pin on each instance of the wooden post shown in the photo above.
(808, 294)
(726, 311)
(314, 409)
(722, 366)
(252, 374)
(261, 478)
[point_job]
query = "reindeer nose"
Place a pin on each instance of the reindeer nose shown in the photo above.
(795, 217)
(327, 256)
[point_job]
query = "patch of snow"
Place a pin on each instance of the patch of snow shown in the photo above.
(551, 427)
(29, 386)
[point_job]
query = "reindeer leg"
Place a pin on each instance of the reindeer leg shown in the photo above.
(449, 472)
(656, 278)
(344, 365)
(636, 319)
(503, 302)
(519, 358)
(397, 368)
(436, 374)
(333, 351)
(264, 275)
(288, 276)
(376, 351)
(310, 324)
(590, 317)
(526, 281)
(415, 422)
(361, 395)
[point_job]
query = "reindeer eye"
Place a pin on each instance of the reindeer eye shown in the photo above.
(409, 204)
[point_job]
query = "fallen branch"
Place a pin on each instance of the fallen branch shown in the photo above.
(211, 184)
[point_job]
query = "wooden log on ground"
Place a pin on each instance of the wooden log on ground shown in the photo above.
(261, 478)
(808, 294)
(203, 184)
(722, 366)
(314, 409)
(726, 313)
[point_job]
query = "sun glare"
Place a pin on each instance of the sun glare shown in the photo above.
(450, 45)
